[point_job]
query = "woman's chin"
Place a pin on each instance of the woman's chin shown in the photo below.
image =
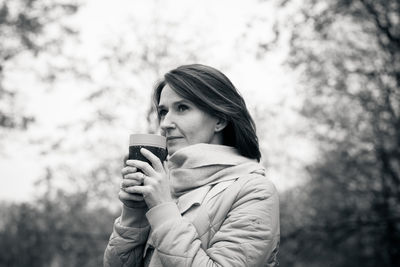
(170, 152)
(173, 148)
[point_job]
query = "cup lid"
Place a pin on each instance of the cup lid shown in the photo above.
(147, 139)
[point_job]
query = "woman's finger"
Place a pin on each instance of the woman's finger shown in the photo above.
(131, 182)
(125, 159)
(140, 190)
(143, 166)
(155, 161)
(166, 169)
(124, 196)
(134, 176)
(128, 169)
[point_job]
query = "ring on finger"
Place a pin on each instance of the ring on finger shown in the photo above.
(142, 178)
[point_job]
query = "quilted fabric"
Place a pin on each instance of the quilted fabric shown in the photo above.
(226, 214)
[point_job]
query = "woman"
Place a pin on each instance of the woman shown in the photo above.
(210, 204)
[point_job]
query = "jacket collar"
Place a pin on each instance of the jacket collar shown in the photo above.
(194, 169)
(192, 198)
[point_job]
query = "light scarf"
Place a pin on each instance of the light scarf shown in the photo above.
(194, 169)
(199, 165)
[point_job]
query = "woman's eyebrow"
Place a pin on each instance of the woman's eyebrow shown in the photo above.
(160, 107)
(183, 101)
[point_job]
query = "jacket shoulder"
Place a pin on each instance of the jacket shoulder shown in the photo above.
(257, 185)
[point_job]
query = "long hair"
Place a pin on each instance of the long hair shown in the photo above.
(211, 91)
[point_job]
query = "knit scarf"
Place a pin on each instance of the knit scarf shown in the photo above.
(199, 165)
(194, 169)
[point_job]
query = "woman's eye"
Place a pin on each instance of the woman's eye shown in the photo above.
(182, 108)
(162, 113)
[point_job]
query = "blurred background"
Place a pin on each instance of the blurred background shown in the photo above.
(321, 79)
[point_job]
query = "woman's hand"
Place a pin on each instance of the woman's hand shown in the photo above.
(155, 189)
(131, 177)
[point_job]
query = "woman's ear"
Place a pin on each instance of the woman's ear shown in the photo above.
(221, 124)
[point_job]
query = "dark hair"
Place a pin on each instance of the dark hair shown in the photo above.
(214, 93)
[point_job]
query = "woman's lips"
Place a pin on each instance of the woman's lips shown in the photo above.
(171, 138)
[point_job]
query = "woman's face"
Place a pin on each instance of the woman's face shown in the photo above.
(184, 124)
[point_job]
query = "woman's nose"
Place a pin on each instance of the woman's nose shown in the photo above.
(167, 123)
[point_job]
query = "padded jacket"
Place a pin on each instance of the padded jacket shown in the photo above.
(229, 222)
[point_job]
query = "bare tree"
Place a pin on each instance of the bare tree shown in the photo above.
(23, 29)
(349, 54)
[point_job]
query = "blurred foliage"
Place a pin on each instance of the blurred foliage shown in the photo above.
(348, 54)
(62, 230)
(70, 225)
(28, 26)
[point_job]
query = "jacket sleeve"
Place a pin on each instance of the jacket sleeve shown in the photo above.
(127, 241)
(248, 235)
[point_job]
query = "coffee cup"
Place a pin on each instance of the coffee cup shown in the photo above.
(156, 144)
